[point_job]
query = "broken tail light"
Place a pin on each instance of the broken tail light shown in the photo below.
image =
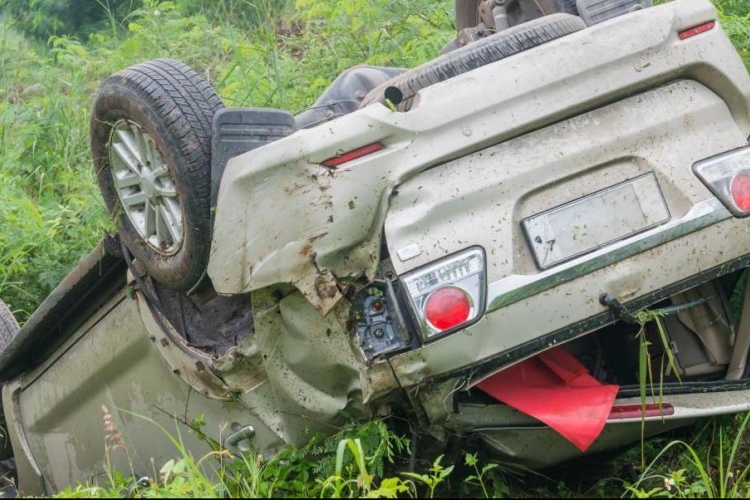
(727, 175)
(448, 294)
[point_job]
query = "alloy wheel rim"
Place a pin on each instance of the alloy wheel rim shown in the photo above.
(145, 187)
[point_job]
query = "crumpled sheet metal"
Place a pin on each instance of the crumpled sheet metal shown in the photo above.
(326, 222)
(241, 367)
(312, 371)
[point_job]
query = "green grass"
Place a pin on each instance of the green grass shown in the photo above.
(51, 213)
(371, 460)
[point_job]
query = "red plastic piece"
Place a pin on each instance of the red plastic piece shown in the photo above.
(353, 154)
(697, 30)
(555, 388)
(620, 412)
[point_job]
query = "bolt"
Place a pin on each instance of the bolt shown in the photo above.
(377, 306)
(467, 131)
(379, 333)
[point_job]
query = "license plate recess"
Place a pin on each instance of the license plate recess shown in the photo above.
(583, 225)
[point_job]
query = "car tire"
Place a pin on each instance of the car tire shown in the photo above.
(151, 147)
(8, 326)
(480, 53)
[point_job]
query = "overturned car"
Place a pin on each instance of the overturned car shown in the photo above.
(476, 244)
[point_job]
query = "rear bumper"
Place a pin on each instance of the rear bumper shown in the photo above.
(518, 437)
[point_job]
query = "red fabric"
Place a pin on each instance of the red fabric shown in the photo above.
(556, 388)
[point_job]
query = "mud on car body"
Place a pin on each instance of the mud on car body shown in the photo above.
(414, 236)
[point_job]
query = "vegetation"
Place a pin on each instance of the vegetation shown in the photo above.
(44, 18)
(51, 214)
(53, 56)
(371, 461)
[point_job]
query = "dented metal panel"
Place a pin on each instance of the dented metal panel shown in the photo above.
(312, 371)
(482, 198)
(328, 221)
(518, 437)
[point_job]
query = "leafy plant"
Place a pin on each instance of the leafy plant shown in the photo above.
(479, 475)
(437, 475)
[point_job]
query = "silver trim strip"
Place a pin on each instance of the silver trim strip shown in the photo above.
(517, 287)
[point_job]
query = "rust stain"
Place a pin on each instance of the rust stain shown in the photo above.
(324, 288)
(307, 249)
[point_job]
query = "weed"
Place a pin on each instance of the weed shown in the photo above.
(479, 475)
(645, 369)
(717, 477)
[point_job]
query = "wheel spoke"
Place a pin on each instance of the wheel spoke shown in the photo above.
(149, 151)
(175, 213)
(159, 171)
(127, 181)
(138, 198)
(149, 222)
(166, 192)
(159, 226)
(170, 224)
(127, 137)
(124, 153)
(141, 144)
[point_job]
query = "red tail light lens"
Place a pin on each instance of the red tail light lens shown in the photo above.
(447, 294)
(740, 190)
(447, 307)
(727, 176)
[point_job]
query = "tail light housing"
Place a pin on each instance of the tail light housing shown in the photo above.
(727, 176)
(448, 294)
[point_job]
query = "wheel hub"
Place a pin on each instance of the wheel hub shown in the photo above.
(145, 187)
(148, 185)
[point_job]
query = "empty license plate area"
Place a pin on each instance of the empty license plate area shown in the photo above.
(595, 220)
